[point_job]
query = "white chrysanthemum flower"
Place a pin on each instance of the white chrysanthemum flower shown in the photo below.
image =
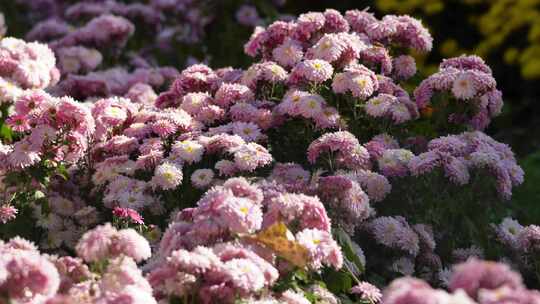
(201, 178)
(188, 150)
(247, 130)
(311, 105)
(167, 176)
(464, 86)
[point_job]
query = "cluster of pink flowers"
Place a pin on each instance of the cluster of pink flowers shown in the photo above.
(55, 128)
(470, 82)
(83, 48)
(229, 154)
(458, 154)
(400, 30)
(317, 44)
(343, 148)
(133, 137)
(67, 219)
(25, 66)
(521, 243)
(105, 242)
(128, 214)
(26, 276)
(472, 282)
(414, 245)
(202, 253)
(30, 277)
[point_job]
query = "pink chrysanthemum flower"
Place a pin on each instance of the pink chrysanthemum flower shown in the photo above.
(18, 123)
(367, 292)
(322, 248)
(250, 156)
(358, 79)
(308, 24)
(128, 242)
(376, 185)
(348, 151)
(316, 71)
(130, 214)
(95, 244)
(28, 277)
(456, 170)
(248, 15)
(404, 66)
(291, 103)
(240, 187)
(266, 72)
(247, 130)
(508, 231)
(311, 106)
(394, 162)
(329, 48)
(23, 155)
(395, 232)
(529, 238)
(474, 275)
(464, 86)
(7, 213)
(293, 297)
(289, 53)
(244, 274)
(241, 215)
(225, 167)
(400, 113)
(164, 127)
(229, 93)
(379, 105)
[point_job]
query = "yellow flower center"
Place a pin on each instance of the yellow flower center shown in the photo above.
(169, 176)
(362, 82)
(115, 111)
(326, 45)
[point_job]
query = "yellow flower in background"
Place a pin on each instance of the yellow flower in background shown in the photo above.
(429, 7)
(507, 27)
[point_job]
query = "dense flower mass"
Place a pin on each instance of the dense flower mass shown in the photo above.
(469, 81)
(318, 174)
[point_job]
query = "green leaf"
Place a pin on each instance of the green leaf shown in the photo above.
(338, 282)
(5, 133)
(62, 171)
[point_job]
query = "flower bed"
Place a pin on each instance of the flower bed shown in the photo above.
(321, 173)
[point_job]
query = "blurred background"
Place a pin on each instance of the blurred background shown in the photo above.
(506, 33)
